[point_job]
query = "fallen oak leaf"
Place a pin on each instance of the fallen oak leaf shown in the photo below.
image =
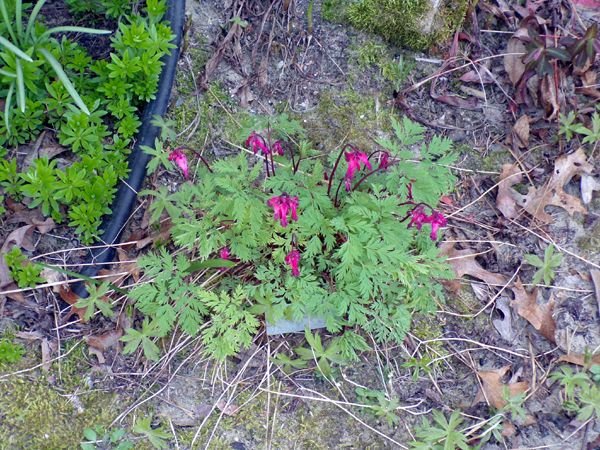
(482, 76)
(513, 60)
(579, 359)
(494, 390)
(47, 349)
(507, 198)
(595, 274)
(552, 193)
(538, 315)
(227, 408)
(551, 95)
(100, 343)
(588, 185)
(463, 262)
(520, 131)
(71, 298)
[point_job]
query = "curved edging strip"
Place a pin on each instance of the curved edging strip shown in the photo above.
(127, 191)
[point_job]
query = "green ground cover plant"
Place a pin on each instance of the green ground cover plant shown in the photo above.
(290, 233)
(91, 106)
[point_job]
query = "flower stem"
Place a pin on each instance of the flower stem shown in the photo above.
(367, 175)
(335, 166)
(199, 155)
(272, 163)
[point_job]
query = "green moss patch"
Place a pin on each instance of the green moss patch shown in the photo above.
(34, 415)
(399, 21)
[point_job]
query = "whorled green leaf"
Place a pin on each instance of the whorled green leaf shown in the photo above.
(64, 79)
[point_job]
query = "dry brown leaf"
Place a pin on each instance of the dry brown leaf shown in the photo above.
(463, 262)
(100, 343)
(162, 235)
(227, 409)
(71, 298)
(521, 131)
(588, 185)
(474, 76)
(596, 280)
(494, 388)
(579, 360)
(507, 198)
(588, 80)
(513, 62)
(46, 354)
(21, 237)
(552, 193)
(538, 315)
(551, 96)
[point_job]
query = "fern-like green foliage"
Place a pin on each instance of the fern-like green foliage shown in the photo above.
(361, 266)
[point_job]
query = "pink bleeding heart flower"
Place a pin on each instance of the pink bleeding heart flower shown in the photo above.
(257, 143)
(292, 259)
(178, 157)
(437, 221)
(418, 217)
(282, 205)
(224, 253)
(293, 204)
(277, 148)
(354, 160)
(384, 161)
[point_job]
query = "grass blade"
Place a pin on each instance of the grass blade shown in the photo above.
(19, 16)
(7, 22)
(72, 29)
(62, 76)
(13, 48)
(33, 16)
(20, 87)
(7, 105)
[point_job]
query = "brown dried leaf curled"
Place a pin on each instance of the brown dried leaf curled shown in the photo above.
(538, 315)
(552, 193)
(513, 61)
(507, 198)
(464, 263)
(494, 388)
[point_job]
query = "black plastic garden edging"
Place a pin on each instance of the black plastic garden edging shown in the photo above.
(104, 251)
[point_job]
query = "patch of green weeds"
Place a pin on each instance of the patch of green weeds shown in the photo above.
(442, 433)
(394, 70)
(23, 272)
(155, 435)
(380, 405)
(546, 267)
(96, 438)
(10, 352)
(580, 390)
